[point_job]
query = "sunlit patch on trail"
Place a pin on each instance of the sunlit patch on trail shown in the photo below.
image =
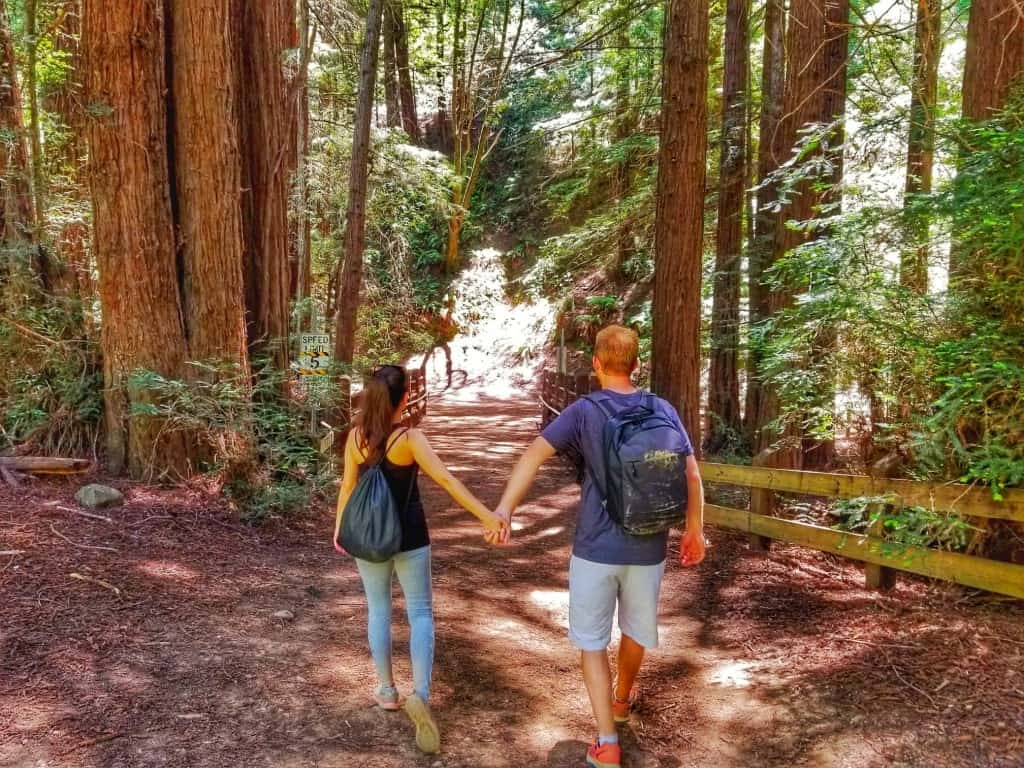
(555, 601)
(732, 674)
(500, 346)
(169, 570)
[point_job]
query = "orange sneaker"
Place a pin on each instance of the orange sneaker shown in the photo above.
(604, 756)
(621, 709)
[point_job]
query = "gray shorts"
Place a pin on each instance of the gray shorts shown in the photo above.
(594, 590)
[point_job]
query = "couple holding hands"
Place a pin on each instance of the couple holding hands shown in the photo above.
(640, 479)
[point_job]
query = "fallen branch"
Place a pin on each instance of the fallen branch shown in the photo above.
(101, 582)
(80, 546)
(94, 516)
(11, 552)
(44, 465)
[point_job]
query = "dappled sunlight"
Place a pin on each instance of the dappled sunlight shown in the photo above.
(499, 346)
(168, 570)
(731, 674)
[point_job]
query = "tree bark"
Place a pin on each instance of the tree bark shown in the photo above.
(993, 64)
(819, 452)
(406, 88)
(35, 140)
(679, 217)
(208, 180)
(803, 104)
(921, 139)
(125, 78)
(723, 417)
(302, 235)
(623, 129)
(17, 224)
(266, 138)
(994, 60)
(390, 72)
(773, 65)
(350, 284)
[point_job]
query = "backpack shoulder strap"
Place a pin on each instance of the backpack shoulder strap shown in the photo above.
(601, 403)
(390, 443)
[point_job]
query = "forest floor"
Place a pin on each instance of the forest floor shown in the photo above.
(151, 640)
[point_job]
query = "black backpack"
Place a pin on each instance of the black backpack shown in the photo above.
(643, 486)
(371, 526)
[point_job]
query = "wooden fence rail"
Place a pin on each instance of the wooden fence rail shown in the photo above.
(883, 558)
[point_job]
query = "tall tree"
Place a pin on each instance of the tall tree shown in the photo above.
(723, 382)
(993, 65)
(302, 235)
(803, 105)
(773, 69)
(478, 77)
(623, 129)
(17, 224)
(819, 450)
(133, 235)
(924, 89)
(350, 284)
(266, 136)
(207, 177)
(994, 61)
(679, 217)
(406, 87)
(32, 86)
(390, 71)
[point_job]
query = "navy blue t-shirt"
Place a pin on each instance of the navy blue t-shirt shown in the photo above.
(599, 538)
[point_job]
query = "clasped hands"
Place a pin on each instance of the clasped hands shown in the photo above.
(498, 531)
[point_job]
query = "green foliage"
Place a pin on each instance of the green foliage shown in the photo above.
(50, 383)
(905, 526)
(256, 442)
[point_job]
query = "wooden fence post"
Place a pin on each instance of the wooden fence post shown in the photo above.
(762, 502)
(878, 576)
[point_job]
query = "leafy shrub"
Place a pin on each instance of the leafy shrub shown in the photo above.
(50, 382)
(259, 446)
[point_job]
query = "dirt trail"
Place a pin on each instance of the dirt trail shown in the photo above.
(152, 640)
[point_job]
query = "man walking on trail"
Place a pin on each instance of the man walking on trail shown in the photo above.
(609, 565)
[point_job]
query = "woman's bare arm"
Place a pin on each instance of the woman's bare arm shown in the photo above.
(348, 480)
(431, 463)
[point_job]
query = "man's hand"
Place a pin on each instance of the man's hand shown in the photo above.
(504, 536)
(692, 548)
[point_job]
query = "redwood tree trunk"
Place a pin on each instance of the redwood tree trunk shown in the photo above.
(133, 237)
(208, 180)
(921, 141)
(818, 451)
(679, 218)
(266, 138)
(350, 285)
(17, 224)
(803, 104)
(773, 64)
(723, 383)
(390, 72)
(995, 56)
(993, 64)
(406, 89)
(625, 246)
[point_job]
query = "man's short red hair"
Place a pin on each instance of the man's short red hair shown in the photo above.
(617, 348)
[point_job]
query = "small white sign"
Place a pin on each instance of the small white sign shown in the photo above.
(314, 354)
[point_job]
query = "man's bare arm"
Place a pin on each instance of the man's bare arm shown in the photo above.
(692, 548)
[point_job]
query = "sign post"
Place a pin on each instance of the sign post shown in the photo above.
(314, 365)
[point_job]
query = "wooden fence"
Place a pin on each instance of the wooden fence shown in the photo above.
(882, 558)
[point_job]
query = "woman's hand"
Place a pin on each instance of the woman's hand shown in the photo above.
(503, 536)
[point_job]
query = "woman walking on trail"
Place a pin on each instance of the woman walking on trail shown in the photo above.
(380, 438)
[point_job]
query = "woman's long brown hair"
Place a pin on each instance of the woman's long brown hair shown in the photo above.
(382, 393)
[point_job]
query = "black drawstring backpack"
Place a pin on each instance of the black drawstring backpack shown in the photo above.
(371, 526)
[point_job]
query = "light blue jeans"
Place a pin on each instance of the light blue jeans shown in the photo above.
(413, 569)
